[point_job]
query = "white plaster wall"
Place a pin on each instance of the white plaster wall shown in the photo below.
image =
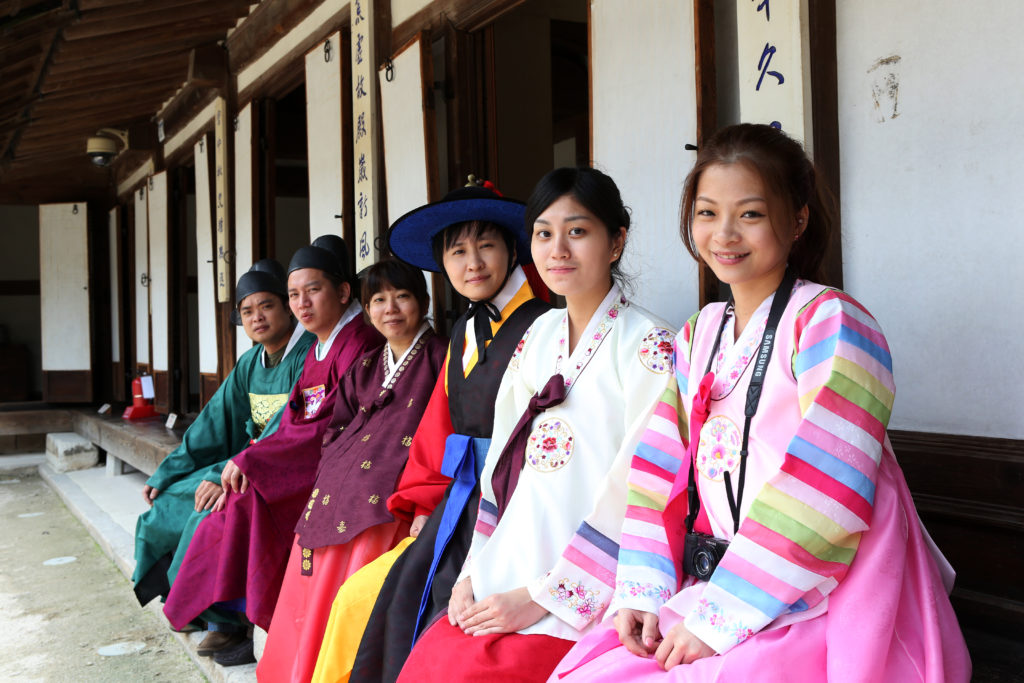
(931, 231)
(323, 123)
(243, 207)
(405, 146)
(648, 57)
(403, 9)
(205, 283)
(113, 219)
(158, 271)
(64, 286)
(141, 268)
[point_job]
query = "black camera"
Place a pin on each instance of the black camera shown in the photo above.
(702, 553)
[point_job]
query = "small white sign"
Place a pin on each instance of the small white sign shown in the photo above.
(172, 418)
(147, 387)
(104, 409)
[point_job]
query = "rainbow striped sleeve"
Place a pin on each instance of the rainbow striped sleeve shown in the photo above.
(803, 528)
(646, 575)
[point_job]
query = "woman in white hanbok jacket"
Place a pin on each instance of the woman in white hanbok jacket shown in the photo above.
(541, 568)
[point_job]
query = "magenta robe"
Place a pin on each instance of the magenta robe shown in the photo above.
(241, 551)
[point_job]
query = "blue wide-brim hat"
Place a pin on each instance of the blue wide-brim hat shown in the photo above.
(411, 237)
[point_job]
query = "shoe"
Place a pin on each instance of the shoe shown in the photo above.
(236, 655)
(215, 641)
(194, 625)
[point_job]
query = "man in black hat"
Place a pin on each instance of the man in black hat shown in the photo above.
(245, 407)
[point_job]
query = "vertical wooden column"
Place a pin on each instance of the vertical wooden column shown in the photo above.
(209, 366)
(116, 317)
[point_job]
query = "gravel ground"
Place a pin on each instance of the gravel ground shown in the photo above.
(62, 601)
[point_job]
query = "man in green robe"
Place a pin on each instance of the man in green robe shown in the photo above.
(244, 409)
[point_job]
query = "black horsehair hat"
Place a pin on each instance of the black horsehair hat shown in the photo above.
(266, 275)
(327, 253)
(411, 236)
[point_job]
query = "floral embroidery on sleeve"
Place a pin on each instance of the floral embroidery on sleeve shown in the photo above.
(627, 588)
(710, 613)
(577, 598)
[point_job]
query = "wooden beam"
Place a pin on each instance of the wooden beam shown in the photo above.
(140, 65)
(187, 103)
(74, 62)
(89, 5)
(821, 17)
(207, 66)
(261, 29)
(125, 14)
(83, 83)
(178, 20)
(84, 54)
(464, 15)
(107, 95)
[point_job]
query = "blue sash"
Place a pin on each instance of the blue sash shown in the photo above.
(463, 462)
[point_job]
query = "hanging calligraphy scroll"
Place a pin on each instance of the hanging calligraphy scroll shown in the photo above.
(220, 160)
(774, 65)
(364, 132)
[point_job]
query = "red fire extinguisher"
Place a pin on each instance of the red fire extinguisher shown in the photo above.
(141, 406)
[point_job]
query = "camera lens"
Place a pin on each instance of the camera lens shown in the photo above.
(703, 564)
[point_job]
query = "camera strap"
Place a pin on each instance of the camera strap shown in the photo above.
(764, 354)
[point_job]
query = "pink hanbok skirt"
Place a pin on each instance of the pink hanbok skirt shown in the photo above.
(889, 620)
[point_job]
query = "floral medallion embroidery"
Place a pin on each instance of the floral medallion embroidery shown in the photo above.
(635, 589)
(710, 613)
(313, 398)
(719, 448)
(582, 601)
(263, 407)
(550, 445)
(513, 363)
(656, 350)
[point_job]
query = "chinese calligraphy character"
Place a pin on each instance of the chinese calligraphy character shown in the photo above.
(364, 207)
(360, 126)
(762, 64)
(362, 169)
(359, 14)
(359, 48)
(360, 88)
(767, 10)
(364, 246)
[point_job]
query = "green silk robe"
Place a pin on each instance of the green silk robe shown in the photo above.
(246, 407)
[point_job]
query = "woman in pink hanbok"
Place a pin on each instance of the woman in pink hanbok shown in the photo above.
(770, 534)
